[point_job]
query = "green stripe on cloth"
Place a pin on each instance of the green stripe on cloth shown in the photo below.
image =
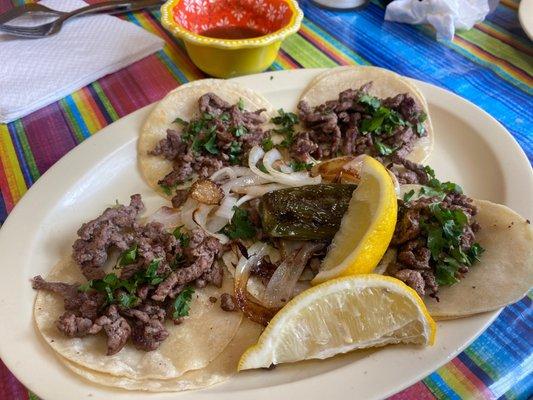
(305, 53)
(26, 150)
(499, 49)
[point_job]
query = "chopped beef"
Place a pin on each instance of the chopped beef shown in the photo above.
(407, 171)
(148, 336)
(61, 288)
(414, 254)
(412, 278)
(180, 197)
(264, 269)
(74, 326)
(212, 299)
(228, 302)
(116, 329)
(220, 135)
(79, 304)
(97, 237)
(137, 298)
(202, 249)
(171, 146)
(341, 126)
(215, 275)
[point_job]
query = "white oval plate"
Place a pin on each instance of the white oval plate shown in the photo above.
(471, 148)
(525, 16)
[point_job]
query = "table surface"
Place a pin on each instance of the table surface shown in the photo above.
(491, 65)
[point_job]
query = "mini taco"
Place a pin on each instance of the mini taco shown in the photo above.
(365, 110)
(197, 129)
(155, 312)
(463, 256)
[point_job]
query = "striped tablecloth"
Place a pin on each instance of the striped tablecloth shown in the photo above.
(490, 65)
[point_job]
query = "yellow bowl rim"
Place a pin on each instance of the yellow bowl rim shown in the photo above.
(291, 27)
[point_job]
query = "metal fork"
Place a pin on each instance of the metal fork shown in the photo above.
(50, 28)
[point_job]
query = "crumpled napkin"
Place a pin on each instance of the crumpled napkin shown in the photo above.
(37, 72)
(445, 15)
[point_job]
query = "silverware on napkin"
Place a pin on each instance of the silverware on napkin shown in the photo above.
(50, 28)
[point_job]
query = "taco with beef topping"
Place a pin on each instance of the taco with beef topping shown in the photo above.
(197, 129)
(157, 311)
(363, 110)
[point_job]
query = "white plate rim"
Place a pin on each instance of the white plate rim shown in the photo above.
(106, 137)
(525, 17)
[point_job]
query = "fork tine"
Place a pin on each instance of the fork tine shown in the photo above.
(39, 31)
(26, 8)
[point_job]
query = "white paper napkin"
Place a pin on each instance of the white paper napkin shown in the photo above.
(445, 15)
(37, 72)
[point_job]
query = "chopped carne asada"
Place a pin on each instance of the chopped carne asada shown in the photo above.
(358, 123)
(221, 135)
(150, 283)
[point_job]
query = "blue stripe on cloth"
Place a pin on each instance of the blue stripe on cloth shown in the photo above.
(436, 380)
(75, 111)
(506, 18)
(347, 51)
(3, 210)
(503, 353)
(500, 98)
(472, 366)
(98, 101)
(24, 167)
(172, 67)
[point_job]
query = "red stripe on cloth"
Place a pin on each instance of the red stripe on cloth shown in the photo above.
(139, 84)
(418, 391)
(88, 99)
(10, 387)
(48, 135)
(487, 394)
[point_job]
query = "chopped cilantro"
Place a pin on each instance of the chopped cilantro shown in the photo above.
(240, 104)
(167, 189)
(127, 257)
(224, 117)
(382, 148)
(182, 303)
(420, 129)
(183, 238)
(370, 101)
(444, 229)
(300, 166)
(285, 122)
(446, 270)
(180, 121)
(111, 282)
(240, 130)
(235, 150)
(210, 144)
(201, 134)
(128, 300)
(383, 120)
(409, 195)
(267, 144)
(240, 226)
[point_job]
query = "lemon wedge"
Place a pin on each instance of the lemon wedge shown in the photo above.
(341, 315)
(366, 228)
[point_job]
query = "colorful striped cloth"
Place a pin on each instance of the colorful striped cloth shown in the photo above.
(491, 65)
